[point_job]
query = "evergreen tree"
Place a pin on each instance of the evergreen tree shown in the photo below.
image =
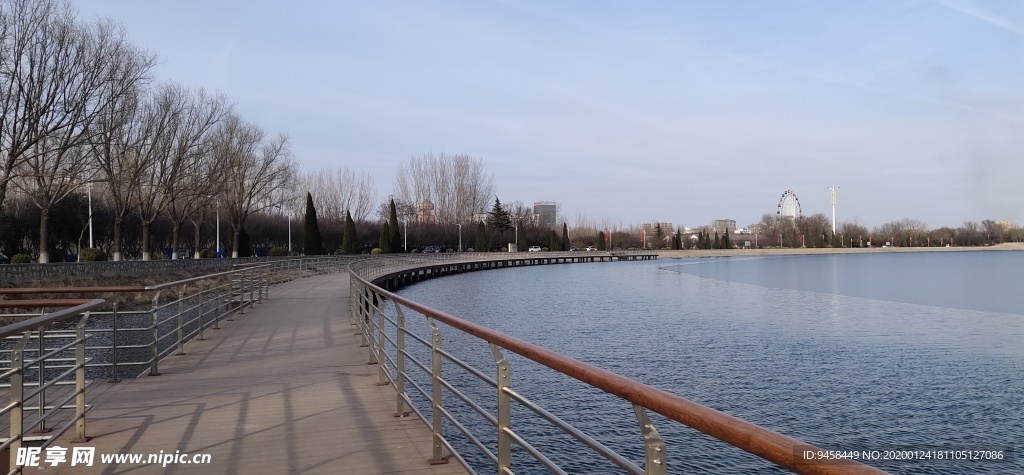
(384, 242)
(348, 240)
(312, 243)
(565, 237)
(718, 241)
(556, 245)
(677, 241)
(726, 242)
(395, 239)
(707, 240)
(521, 238)
(498, 218)
(481, 237)
(601, 241)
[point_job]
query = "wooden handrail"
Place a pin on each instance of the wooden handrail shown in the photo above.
(765, 443)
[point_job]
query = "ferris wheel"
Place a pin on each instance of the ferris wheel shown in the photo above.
(789, 205)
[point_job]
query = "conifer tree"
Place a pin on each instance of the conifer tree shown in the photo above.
(556, 245)
(395, 238)
(601, 241)
(565, 237)
(348, 240)
(726, 242)
(521, 238)
(312, 242)
(718, 241)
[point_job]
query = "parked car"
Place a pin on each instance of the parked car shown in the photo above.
(573, 249)
(590, 248)
(431, 249)
(534, 249)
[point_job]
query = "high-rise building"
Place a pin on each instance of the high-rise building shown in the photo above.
(545, 214)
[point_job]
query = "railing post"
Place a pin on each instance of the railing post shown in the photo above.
(80, 380)
(113, 344)
(400, 363)
(252, 290)
(199, 307)
(240, 307)
(654, 457)
(382, 379)
(181, 319)
(42, 380)
(504, 412)
(17, 397)
(221, 307)
(437, 420)
(154, 370)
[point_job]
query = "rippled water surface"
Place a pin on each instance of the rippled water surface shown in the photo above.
(881, 351)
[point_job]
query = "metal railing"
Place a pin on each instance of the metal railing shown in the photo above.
(382, 320)
(42, 365)
(48, 360)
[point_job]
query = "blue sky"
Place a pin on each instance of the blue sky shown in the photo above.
(678, 111)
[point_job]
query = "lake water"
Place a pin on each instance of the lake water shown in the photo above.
(886, 351)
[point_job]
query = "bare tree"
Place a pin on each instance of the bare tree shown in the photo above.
(338, 191)
(254, 170)
(193, 175)
(47, 178)
(56, 77)
(458, 185)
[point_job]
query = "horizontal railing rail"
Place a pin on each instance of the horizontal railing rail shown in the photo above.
(384, 332)
(45, 385)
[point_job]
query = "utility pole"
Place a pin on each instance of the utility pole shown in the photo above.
(833, 188)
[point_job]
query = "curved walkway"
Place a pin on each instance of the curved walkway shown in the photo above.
(284, 388)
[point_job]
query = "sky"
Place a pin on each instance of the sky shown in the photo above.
(632, 111)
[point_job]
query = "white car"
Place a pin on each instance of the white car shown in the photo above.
(590, 248)
(534, 249)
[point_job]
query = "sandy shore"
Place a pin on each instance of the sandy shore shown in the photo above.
(1013, 246)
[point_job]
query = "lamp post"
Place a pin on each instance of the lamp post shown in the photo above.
(460, 236)
(515, 229)
(217, 254)
(405, 245)
(89, 189)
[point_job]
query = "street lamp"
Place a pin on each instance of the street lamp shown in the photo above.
(460, 236)
(405, 245)
(89, 188)
(217, 255)
(515, 229)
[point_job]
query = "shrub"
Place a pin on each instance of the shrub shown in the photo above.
(278, 251)
(208, 254)
(470, 250)
(416, 251)
(449, 250)
(92, 254)
(21, 259)
(376, 250)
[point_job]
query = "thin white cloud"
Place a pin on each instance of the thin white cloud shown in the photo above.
(982, 14)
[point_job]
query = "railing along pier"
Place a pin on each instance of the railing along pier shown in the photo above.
(385, 329)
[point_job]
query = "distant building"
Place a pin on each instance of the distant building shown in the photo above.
(1006, 225)
(425, 213)
(545, 214)
(723, 226)
(651, 229)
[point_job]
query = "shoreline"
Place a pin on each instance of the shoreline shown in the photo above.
(691, 253)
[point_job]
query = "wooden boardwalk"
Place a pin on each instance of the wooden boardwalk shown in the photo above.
(284, 388)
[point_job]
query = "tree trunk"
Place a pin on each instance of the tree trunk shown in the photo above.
(235, 231)
(115, 246)
(44, 252)
(175, 232)
(197, 254)
(146, 255)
